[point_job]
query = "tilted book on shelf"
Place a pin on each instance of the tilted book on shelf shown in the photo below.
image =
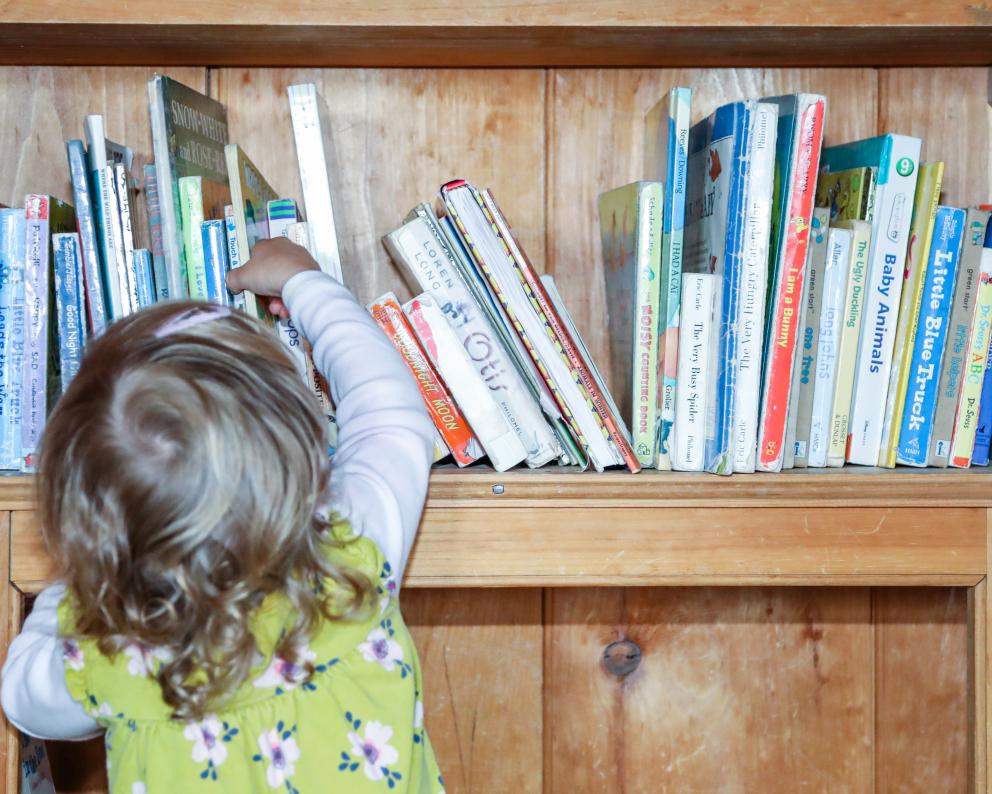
(666, 160)
(897, 159)
(66, 286)
(914, 274)
(799, 142)
(86, 222)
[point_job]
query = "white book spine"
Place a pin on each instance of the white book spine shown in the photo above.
(415, 246)
(828, 341)
(119, 265)
(233, 252)
(288, 332)
(754, 280)
(468, 389)
(127, 233)
(890, 231)
(301, 233)
(695, 372)
(34, 377)
(96, 158)
(313, 151)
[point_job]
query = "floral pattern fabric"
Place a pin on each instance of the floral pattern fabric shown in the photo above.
(355, 726)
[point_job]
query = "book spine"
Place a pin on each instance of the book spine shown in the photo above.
(233, 252)
(894, 196)
(914, 275)
(958, 335)
(214, 244)
(154, 209)
(419, 246)
(835, 279)
(816, 260)
(13, 238)
(754, 283)
(469, 391)
(119, 264)
(850, 334)
(144, 277)
(788, 288)
(644, 348)
(34, 379)
(313, 153)
(983, 433)
(792, 422)
(966, 417)
(68, 257)
(695, 349)
(448, 419)
(177, 280)
(122, 188)
(86, 225)
(103, 197)
(191, 210)
(929, 344)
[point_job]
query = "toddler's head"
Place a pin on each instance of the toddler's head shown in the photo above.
(179, 477)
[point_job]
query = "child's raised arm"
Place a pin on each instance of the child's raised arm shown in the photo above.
(385, 436)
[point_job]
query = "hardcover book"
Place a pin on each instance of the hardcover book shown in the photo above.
(214, 243)
(13, 255)
(848, 193)
(800, 138)
(958, 336)
(666, 152)
(144, 271)
(897, 159)
(233, 252)
(200, 200)
(983, 433)
(699, 326)
(630, 222)
(122, 191)
(68, 322)
(917, 256)
(86, 221)
(189, 136)
(154, 209)
(916, 420)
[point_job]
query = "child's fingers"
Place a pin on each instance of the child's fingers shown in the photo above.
(278, 308)
(235, 280)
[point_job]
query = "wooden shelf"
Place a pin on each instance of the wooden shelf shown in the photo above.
(515, 33)
(555, 529)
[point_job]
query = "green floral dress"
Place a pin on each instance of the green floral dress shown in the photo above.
(356, 726)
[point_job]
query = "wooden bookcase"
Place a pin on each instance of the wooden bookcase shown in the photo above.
(809, 631)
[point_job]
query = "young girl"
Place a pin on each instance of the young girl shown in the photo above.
(228, 612)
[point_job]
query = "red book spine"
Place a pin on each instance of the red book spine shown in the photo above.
(444, 412)
(786, 305)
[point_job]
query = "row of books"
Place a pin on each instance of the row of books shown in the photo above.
(774, 303)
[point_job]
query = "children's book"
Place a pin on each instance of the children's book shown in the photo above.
(200, 199)
(189, 136)
(714, 241)
(250, 195)
(144, 271)
(233, 252)
(834, 287)
(122, 190)
(630, 222)
(983, 433)
(958, 336)
(448, 419)
(696, 347)
(86, 221)
(789, 449)
(153, 207)
(976, 357)
(914, 275)
(816, 262)
(753, 283)
(420, 246)
(848, 193)
(799, 141)
(68, 323)
(13, 255)
(666, 160)
(897, 159)
(214, 242)
(315, 153)
(929, 344)
(850, 334)
(470, 392)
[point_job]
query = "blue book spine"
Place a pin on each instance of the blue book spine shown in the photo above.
(729, 122)
(931, 338)
(96, 314)
(66, 252)
(144, 277)
(13, 234)
(215, 261)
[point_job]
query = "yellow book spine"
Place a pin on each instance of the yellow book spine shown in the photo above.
(917, 255)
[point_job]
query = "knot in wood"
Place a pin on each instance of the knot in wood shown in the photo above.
(621, 658)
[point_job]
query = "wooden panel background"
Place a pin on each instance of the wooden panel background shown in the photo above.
(770, 689)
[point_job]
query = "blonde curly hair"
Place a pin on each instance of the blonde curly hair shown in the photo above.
(179, 479)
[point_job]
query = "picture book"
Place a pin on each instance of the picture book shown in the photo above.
(848, 193)
(233, 252)
(630, 222)
(799, 142)
(916, 419)
(200, 200)
(983, 432)
(154, 209)
(696, 347)
(123, 190)
(13, 255)
(958, 336)
(189, 136)
(144, 271)
(897, 159)
(68, 322)
(914, 274)
(666, 160)
(86, 221)
(214, 244)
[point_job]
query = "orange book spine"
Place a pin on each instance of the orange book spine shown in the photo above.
(455, 431)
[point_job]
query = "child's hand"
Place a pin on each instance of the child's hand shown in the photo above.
(272, 264)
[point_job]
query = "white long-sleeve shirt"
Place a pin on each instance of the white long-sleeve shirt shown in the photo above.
(378, 482)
